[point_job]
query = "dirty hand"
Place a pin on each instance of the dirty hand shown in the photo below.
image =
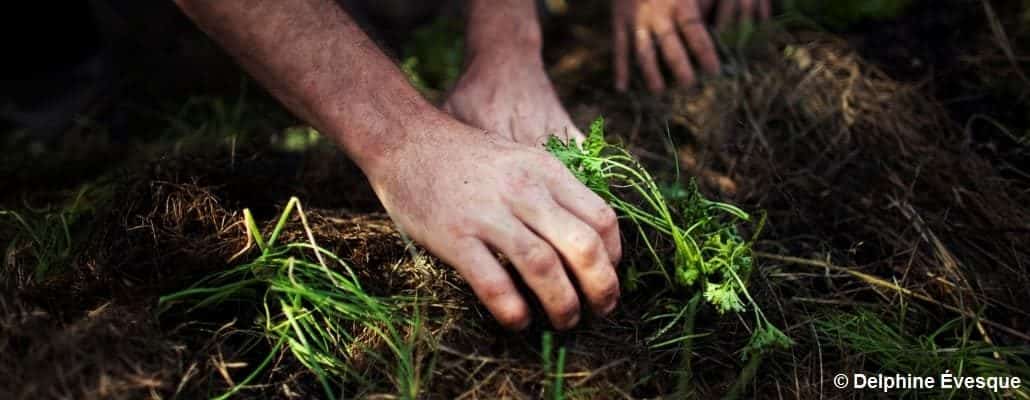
(670, 23)
(463, 193)
(508, 93)
(741, 10)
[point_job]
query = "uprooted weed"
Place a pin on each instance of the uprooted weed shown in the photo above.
(707, 250)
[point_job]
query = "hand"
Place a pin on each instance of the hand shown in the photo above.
(745, 10)
(664, 21)
(462, 192)
(509, 93)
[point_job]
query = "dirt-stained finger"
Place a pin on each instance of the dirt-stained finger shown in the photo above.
(574, 134)
(698, 39)
(580, 246)
(675, 55)
(620, 55)
(704, 6)
(725, 13)
(540, 267)
(646, 59)
(589, 208)
(565, 129)
(764, 9)
(491, 283)
(747, 11)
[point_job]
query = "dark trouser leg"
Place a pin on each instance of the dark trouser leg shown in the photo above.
(54, 75)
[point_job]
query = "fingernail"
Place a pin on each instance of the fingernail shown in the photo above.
(572, 322)
(524, 324)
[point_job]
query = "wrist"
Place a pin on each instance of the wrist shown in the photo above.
(382, 128)
(508, 28)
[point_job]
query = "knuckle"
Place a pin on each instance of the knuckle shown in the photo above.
(676, 56)
(462, 228)
(493, 291)
(604, 219)
(538, 259)
(586, 248)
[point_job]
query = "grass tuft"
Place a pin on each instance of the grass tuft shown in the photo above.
(888, 349)
(49, 234)
(320, 314)
(554, 368)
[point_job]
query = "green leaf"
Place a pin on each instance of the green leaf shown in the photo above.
(767, 337)
(724, 297)
(595, 142)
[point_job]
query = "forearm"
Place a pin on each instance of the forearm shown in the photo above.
(498, 26)
(319, 63)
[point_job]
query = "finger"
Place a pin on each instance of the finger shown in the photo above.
(705, 6)
(747, 11)
(567, 134)
(591, 209)
(540, 267)
(490, 282)
(675, 55)
(725, 13)
(647, 60)
(562, 126)
(574, 134)
(620, 44)
(764, 9)
(698, 39)
(579, 244)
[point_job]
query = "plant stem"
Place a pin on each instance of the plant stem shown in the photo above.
(253, 374)
(746, 376)
(684, 389)
(559, 375)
